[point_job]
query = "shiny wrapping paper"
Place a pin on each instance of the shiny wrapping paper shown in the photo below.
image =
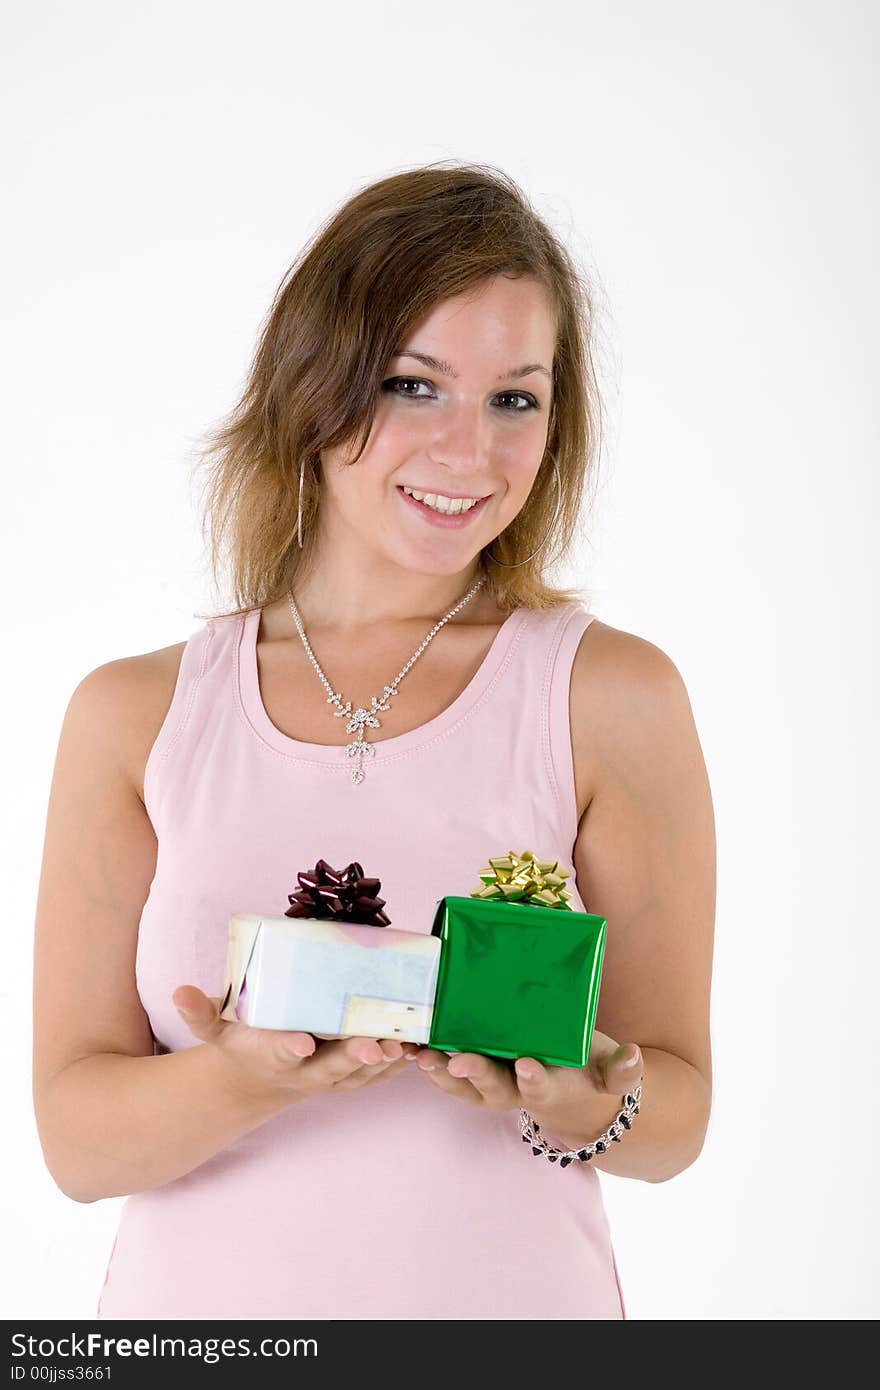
(519, 969)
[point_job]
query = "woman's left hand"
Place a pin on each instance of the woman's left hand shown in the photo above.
(572, 1103)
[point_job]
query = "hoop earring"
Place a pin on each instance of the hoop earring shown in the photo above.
(299, 510)
(549, 528)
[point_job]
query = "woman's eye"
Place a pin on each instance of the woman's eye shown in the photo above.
(392, 384)
(395, 381)
(531, 403)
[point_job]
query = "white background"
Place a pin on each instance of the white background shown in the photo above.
(164, 164)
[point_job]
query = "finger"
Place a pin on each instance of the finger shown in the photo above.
(200, 1013)
(369, 1076)
(390, 1049)
(612, 1067)
(390, 1053)
(435, 1066)
(337, 1060)
(542, 1086)
(536, 1084)
(428, 1059)
(343, 1064)
(489, 1078)
(294, 1046)
(369, 1072)
(621, 1069)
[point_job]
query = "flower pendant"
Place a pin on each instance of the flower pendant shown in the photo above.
(358, 721)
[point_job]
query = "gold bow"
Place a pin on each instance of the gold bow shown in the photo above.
(521, 878)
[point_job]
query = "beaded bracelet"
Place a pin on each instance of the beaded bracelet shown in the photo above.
(529, 1129)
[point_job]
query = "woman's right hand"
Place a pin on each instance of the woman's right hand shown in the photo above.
(268, 1062)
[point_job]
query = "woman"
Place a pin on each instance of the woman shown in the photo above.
(431, 345)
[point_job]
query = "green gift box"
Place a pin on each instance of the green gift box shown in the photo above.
(519, 970)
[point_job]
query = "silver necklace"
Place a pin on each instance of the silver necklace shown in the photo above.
(361, 718)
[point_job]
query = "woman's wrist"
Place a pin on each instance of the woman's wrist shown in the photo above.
(668, 1134)
(574, 1136)
(252, 1103)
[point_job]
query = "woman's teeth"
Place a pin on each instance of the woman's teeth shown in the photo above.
(447, 505)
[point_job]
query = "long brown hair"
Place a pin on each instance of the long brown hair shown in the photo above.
(375, 268)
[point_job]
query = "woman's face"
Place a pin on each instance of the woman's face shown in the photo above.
(471, 423)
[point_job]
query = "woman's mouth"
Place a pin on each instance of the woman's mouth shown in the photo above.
(436, 518)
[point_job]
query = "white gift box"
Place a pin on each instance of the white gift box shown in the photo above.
(330, 978)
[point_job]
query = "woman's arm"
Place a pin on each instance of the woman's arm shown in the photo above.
(112, 1118)
(112, 1124)
(645, 860)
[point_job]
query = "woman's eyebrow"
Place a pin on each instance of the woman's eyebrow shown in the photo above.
(446, 369)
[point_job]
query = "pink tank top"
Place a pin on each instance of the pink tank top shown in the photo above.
(394, 1201)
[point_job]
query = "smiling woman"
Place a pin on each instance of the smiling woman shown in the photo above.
(478, 291)
(383, 533)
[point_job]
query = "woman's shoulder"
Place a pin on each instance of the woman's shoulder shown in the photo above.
(130, 696)
(618, 683)
(137, 691)
(610, 653)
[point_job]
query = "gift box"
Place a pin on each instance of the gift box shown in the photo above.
(519, 968)
(511, 971)
(331, 979)
(331, 965)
